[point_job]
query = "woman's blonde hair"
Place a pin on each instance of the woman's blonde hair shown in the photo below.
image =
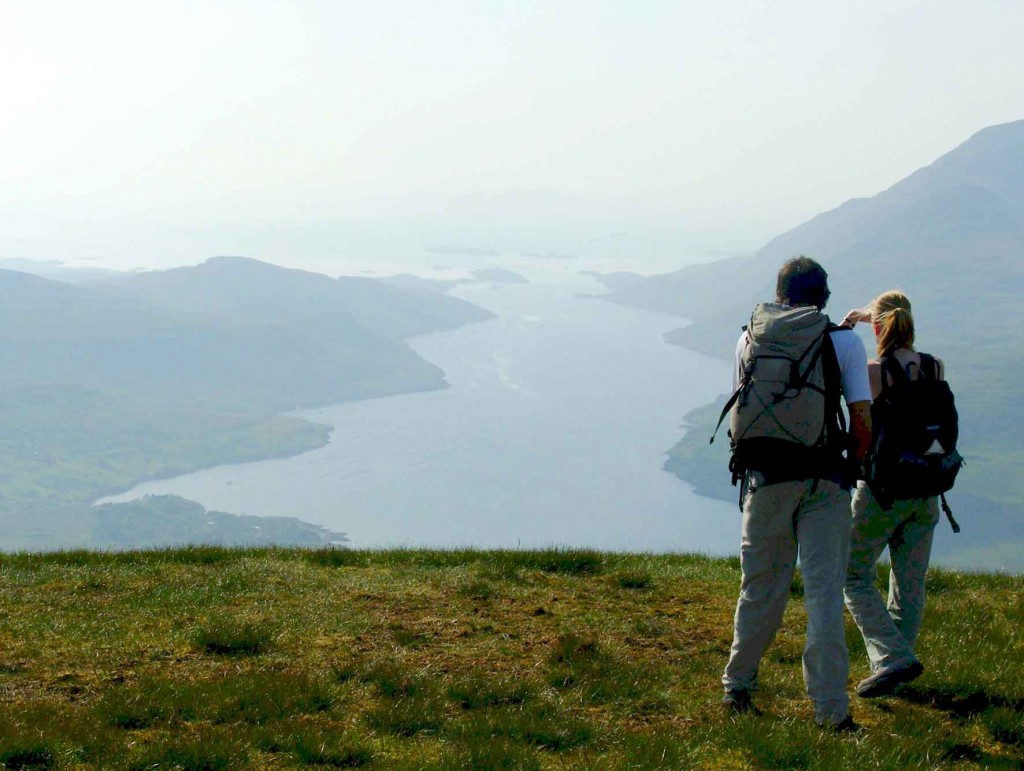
(890, 312)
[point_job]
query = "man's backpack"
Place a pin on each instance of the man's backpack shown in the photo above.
(915, 429)
(785, 417)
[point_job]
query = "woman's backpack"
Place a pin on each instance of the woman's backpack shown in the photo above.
(915, 429)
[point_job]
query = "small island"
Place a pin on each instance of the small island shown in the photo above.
(499, 276)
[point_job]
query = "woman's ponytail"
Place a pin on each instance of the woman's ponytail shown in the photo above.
(894, 321)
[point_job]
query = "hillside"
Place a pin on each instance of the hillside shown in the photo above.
(952, 236)
(54, 334)
(253, 659)
(257, 292)
(158, 374)
(946, 232)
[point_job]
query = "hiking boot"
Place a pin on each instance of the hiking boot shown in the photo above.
(739, 702)
(846, 726)
(884, 681)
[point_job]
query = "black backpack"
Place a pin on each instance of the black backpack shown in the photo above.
(915, 429)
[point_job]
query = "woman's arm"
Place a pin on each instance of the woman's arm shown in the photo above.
(875, 378)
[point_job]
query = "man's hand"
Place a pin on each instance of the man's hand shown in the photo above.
(855, 316)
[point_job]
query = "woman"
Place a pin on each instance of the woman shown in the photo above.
(890, 629)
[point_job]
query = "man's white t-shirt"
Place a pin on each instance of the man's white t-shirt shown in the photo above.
(853, 364)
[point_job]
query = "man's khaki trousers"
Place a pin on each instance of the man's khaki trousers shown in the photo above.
(809, 519)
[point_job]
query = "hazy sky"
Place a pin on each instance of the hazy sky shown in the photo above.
(144, 131)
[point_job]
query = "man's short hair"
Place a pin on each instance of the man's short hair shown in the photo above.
(802, 281)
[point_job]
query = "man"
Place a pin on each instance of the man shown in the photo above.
(796, 497)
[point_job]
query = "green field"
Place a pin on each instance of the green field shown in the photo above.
(207, 658)
(61, 448)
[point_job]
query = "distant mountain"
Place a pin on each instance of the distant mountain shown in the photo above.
(58, 334)
(57, 270)
(952, 236)
(990, 163)
(696, 291)
(948, 234)
(257, 292)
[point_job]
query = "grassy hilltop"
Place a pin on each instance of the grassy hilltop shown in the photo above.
(208, 658)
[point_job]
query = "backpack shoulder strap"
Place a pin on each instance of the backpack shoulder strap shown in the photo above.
(929, 367)
(725, 411)
(833, 377)
(892, 373)
(949, 514)
(817, 345)
(731, 400)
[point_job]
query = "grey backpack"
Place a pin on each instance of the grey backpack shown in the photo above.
(785, 418)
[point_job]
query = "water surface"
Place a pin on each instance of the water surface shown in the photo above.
(553, 432)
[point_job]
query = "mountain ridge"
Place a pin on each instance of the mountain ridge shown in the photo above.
(952, 236)
(253, 290)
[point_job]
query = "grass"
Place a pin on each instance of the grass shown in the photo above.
(233, 637)
(273, 658)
